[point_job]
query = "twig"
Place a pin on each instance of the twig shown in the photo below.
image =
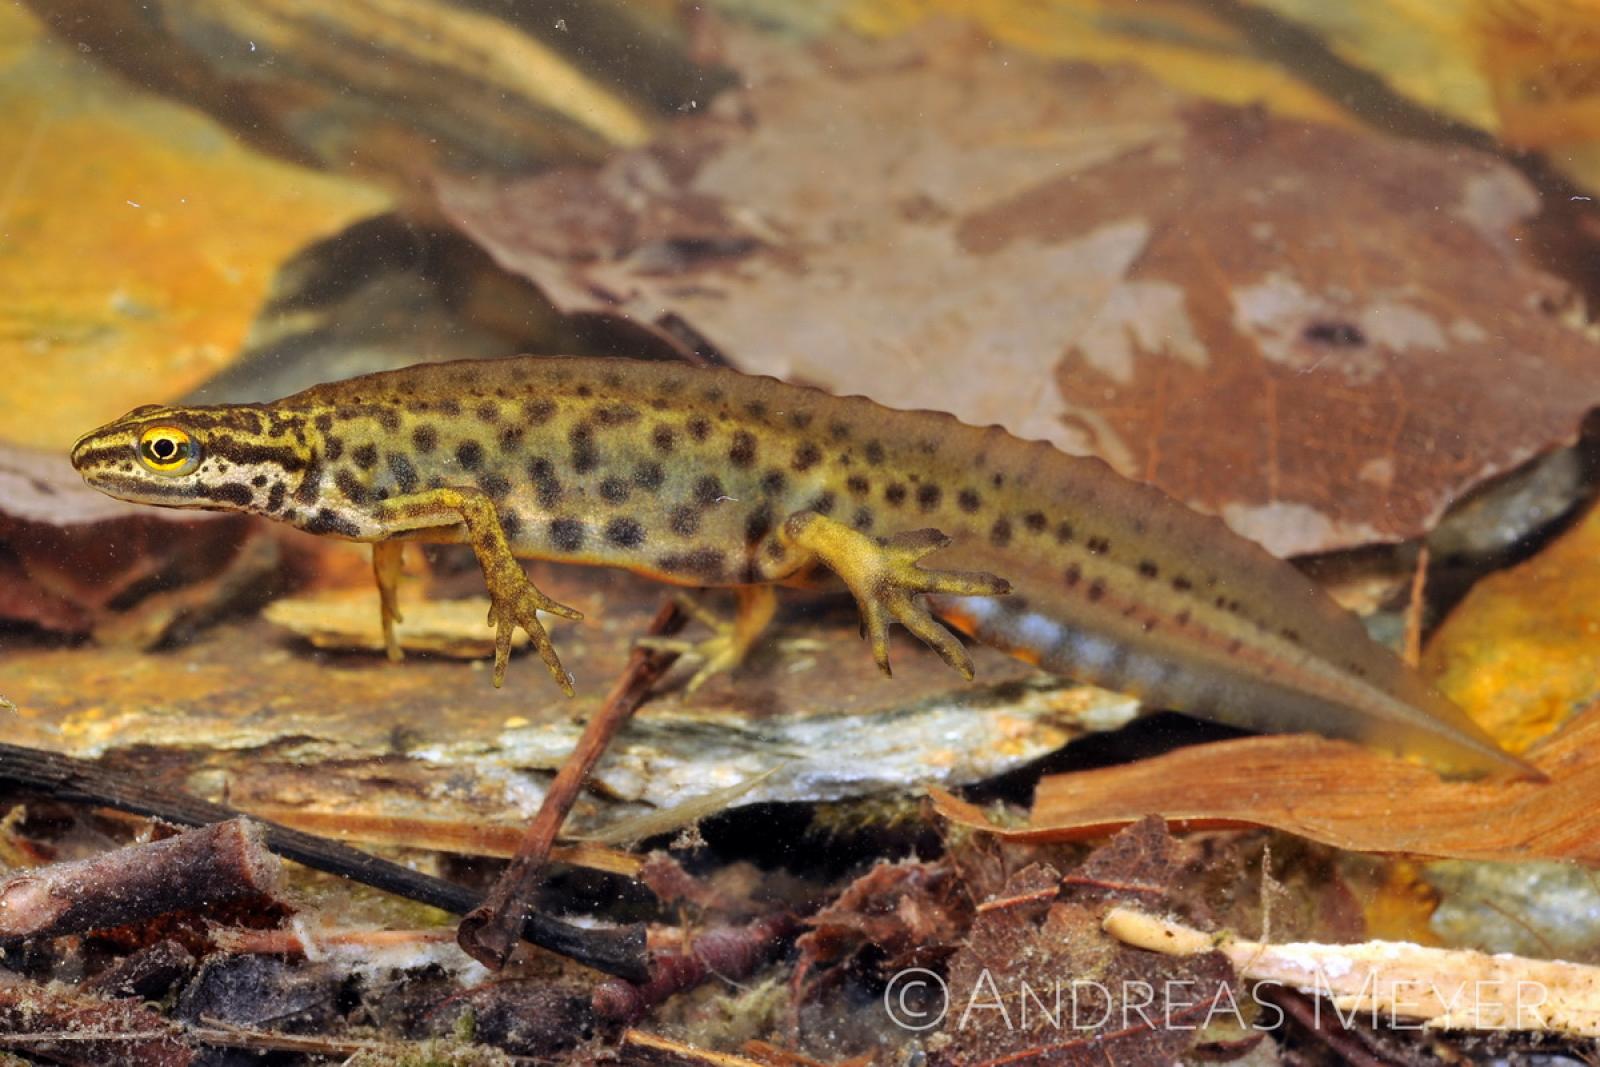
(730, 952)
(488, 932)
(74, 1029)
(1412, 652)
(653, 1050)
(202, 868)
(1386, 981)
(619, 950)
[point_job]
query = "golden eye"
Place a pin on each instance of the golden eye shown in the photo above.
(168, 450)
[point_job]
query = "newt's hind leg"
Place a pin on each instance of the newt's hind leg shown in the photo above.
(883, 575)
(386, 569)
(730, 641)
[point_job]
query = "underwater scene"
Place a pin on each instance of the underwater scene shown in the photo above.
(856, 533)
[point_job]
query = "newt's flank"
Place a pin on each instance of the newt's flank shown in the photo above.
(706, 477)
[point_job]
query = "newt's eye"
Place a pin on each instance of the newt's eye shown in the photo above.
(168, 450)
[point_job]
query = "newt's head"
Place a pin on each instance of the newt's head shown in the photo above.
(219, 458)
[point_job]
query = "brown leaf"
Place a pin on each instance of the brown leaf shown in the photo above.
(73, 560)
(911, 913)
(1334, 792)
(1321, 334)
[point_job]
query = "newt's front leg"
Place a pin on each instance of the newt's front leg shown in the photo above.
(883, 575)
(386, 570)
(513, 599)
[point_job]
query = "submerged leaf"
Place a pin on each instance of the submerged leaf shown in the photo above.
(1322, 335)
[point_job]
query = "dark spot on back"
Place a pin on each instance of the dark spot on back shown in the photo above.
(511, 438)
(1148, 568)
(773, 482)
(624, 533)
(538, 412)
(275, 496)
(1097, 589)
(874, 453)
(489, 411)
(258, 481)
(858, 485)
(424, 439)
(824, 503)
(649, 476)
(1064, 533)
(928, 496)
(743, 451)
(1000, 533)
(350, 486)
(616, 414)
(969, 501)
(326, 522)
(758, 524)
(495, 484)
(662, 437)
(699, 428)
(707, 490)
(895, 494)
(703, 562)
(323, 422)
(838, 431)
(1182, 584)
(863, 518)
(365, 456)
(806, 457)
(310, 486)
(1098, 546)
(389, 419)
(545, 482)
(511, 523)
(405, 475)
(1035, 521)
(567, 535)
(469, 454)
(1074, 575)
(584, 456)
(332, 448)
(684, 520)
(613, 490)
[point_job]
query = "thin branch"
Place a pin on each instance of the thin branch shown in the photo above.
(488, 933)
(619, 950)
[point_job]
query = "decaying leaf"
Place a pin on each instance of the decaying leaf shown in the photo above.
(1086, 256)
(1039, 982)
(1520, 652)
(908, 914)
(1334, 792)
(74, 561)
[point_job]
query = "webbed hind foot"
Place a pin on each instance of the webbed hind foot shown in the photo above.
(883, 575)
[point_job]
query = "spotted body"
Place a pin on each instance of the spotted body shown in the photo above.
(712, 478)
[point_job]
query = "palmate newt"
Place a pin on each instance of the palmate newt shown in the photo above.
(708, 477)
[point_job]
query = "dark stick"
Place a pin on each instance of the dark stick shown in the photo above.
(488, 932)
(619, 950)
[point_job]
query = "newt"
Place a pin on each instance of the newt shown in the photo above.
(712, 478)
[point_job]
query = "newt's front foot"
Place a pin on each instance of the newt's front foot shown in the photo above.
(514, 601)
(883, 575)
